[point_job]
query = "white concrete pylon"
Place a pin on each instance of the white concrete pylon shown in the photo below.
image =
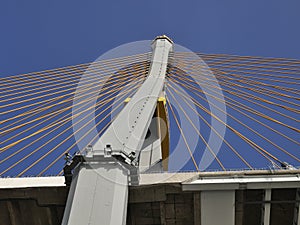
(99, 189)
(127, 132)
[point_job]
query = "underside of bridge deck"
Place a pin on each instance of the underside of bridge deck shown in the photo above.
(176, 201)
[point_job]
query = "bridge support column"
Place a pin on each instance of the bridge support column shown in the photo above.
(297, 208)
(217, 207)
(267, 207)
(100, 196)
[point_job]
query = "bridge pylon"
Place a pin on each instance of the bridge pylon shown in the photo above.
(137, 140)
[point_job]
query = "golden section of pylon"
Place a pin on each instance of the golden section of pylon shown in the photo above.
(161, 112)
(127, 100)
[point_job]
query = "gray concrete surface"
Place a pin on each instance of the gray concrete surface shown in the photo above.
(161, 199)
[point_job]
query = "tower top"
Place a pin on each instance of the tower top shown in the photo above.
(163, 37)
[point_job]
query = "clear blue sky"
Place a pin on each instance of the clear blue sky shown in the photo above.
(39, 34)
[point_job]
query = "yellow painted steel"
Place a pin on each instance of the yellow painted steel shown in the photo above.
(127, 100)
(161, 112)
